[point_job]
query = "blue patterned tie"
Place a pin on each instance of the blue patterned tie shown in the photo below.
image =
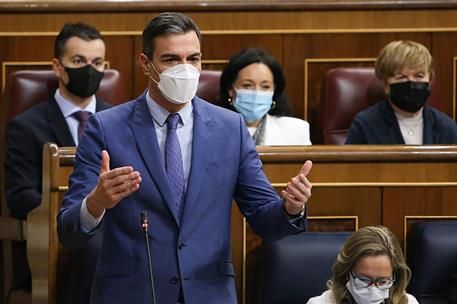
(173, 162)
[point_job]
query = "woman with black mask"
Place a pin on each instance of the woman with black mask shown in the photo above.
(406, 69)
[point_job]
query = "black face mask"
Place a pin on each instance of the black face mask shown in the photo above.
(84, 81)
(409, 96)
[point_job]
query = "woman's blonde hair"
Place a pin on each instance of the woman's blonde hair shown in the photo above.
(401, 54)
(370, 241)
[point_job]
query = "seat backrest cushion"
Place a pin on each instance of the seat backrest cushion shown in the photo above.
(208, 86)
(432, 257)
(298, 267)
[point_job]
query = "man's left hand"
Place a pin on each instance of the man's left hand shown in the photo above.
(298, 190)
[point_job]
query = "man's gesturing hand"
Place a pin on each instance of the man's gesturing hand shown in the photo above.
(298, 190)
(112, 186)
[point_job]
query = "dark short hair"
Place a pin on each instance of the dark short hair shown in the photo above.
(247, 57)
(81, 30)
(164, 24)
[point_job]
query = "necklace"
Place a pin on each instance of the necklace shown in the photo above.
(410, 126)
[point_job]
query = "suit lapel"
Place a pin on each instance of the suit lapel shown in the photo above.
(59, 126)
(201, 147)
(146, 140)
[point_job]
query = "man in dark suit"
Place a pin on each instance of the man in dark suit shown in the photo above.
(79, 65)
(191, 158)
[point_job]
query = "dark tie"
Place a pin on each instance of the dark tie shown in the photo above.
(173, 162)
(82, 117)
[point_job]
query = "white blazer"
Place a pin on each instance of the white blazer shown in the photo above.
(327, 298)
(285, 131)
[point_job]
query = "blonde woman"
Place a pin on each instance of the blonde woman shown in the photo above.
(370, 269)
(406, 69)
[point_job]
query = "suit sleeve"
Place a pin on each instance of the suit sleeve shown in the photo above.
(256, 198)
(356, 134)
(22, 170)
(83, 179)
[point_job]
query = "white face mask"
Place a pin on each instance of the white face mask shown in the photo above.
(366, 295)
(178, 84)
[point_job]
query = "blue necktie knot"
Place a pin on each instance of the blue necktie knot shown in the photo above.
(173, 120)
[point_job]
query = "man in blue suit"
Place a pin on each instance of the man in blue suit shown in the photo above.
(182, 161)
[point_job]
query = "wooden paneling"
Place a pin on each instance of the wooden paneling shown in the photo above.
(224, 46)
(298, 20)
(428, 201)
(121, 55)
(444, 53)
(222, 5)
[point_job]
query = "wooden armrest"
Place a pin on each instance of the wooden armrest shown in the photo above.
(12, 229)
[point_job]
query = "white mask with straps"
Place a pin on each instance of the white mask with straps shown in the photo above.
(178, 84)
(366, 295)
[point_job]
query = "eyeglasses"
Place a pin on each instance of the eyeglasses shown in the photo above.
(381, 283)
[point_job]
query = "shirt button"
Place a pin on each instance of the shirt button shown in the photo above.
(174, 280)
(181, 246)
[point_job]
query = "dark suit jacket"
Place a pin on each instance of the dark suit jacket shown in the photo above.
(24, 139)
(378, 125)
(192, 253)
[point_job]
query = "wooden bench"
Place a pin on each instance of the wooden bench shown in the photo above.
(353, 186)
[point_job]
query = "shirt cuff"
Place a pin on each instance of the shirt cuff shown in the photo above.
(88, 222)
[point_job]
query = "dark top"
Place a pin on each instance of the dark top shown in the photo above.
(378, 125)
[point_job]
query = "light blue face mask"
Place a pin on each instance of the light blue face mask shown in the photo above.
(253, 105)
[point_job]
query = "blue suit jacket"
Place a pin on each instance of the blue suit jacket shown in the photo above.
(378, 125)
(193, 254)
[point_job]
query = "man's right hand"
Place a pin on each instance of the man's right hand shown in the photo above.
(112, 187)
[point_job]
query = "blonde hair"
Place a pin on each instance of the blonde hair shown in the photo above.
(401, 54)
(370, 241)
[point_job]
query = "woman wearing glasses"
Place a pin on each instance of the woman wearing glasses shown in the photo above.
(370, 269)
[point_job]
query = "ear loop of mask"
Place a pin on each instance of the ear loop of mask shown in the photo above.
(149, 74)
